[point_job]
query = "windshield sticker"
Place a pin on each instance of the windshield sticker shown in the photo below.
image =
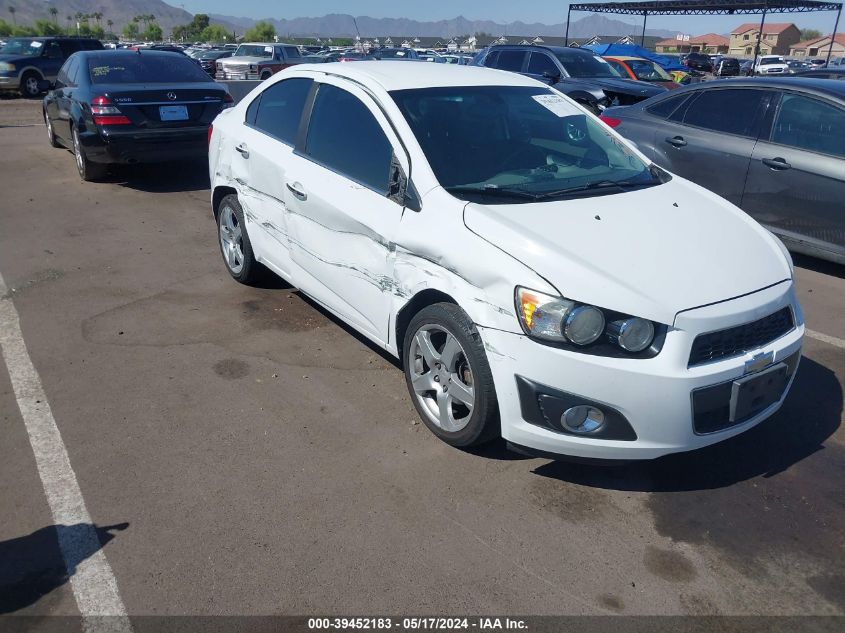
(99, 71)
(556, 104)
(268, 49)
(37, 44)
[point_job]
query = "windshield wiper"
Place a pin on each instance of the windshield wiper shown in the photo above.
(493, 191)
(622, 185)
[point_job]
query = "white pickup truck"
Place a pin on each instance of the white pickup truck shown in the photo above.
(257, 60)
(771, 65)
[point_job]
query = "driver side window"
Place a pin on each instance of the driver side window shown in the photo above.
(53, 51)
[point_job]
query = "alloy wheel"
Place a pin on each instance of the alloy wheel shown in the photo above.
(231, 239)
(31, 86)
(77, 151)
(441, 377)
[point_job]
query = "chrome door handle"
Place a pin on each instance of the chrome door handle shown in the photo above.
(777, 164)
(677, 141)
(242, 150)
(294, 189)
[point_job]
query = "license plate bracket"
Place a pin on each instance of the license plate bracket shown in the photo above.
(173, 113)
(754, 393)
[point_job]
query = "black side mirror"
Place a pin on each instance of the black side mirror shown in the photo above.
(44, 85)
(400, 189)
(551, 76)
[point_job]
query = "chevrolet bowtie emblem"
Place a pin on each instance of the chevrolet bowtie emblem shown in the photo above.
(758, 362)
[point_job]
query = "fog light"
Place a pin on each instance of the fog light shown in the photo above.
(632, 335)
(583, 325)
(582, 419)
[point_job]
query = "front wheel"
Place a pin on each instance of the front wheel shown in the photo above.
(266, 75)
(51, 133)
(29, 85)
(448, 376)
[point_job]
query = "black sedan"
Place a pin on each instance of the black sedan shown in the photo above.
(131, 107)
(775, 147)
(823, 73)
(208, 59)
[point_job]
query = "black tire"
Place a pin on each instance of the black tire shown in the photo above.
(88, 171)
(51, 135)
(483, 424)
(29, 85)
(247, 270)
(266, 75)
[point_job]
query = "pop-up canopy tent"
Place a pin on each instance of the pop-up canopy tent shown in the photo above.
(709, 7)
(632, 50)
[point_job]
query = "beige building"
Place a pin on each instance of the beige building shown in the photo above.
(819, 47)
(710, 43)
(777, 39)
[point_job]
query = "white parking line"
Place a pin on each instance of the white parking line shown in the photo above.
(92, 581)
(826, 338)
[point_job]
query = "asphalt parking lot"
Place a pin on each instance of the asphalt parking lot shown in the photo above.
(241, 452)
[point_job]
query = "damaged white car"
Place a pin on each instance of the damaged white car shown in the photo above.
(540, 280)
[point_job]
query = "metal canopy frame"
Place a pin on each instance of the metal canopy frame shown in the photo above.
(710, 7)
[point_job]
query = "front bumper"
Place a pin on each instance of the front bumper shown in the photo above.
(8, 82)
(145, 146)
(654, 396)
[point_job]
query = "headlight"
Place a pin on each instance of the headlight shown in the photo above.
(632, 335)
(6, 66)
(607, 333)
(253, 67)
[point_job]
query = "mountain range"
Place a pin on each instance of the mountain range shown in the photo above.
(121, 12)
(344, 25)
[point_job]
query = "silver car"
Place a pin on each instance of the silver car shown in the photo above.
(775, 147)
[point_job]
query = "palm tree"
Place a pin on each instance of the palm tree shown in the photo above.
(97, 17)
(111, 24)
(69, 19)
(13, 10)
(54, 12)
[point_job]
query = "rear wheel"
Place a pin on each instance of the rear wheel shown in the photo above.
(88, 171)
(234, 242)
(448, 376)
(29, 85)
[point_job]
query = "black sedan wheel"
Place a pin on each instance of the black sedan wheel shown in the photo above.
(88, 171)
(51, 134)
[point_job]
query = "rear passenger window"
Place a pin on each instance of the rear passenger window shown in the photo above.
(279, 109)
(511, 60)
(541, 63)
(666, 107)
(809, 124)
(344, 136)
(292, 52)
(733, 111)
(491, 59)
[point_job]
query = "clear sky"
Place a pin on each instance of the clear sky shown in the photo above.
(502, 11)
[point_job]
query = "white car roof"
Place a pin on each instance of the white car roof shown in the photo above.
(402, 75)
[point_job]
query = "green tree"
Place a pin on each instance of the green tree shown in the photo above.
(45, 27)
(130, 31)
(810, 34)
(262, 31)
(110, 24)
(23, 31)
(198, 24)
(214, 33)
(153, 33)
(5, 28)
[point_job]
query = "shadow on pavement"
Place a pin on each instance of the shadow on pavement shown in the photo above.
(161, 177)
(819, 265)
(811, 414)
(32, 566)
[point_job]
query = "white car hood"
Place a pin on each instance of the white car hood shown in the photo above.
(651, 253)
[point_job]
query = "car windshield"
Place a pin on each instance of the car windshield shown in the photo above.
(517, 144)
(141, 69)
(391, 54)
(20, 46)
(581, 65)
(765, 61)
(254, 50)
(213, 54)
(648, 71)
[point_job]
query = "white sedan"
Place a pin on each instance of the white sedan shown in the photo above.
(539, 278)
